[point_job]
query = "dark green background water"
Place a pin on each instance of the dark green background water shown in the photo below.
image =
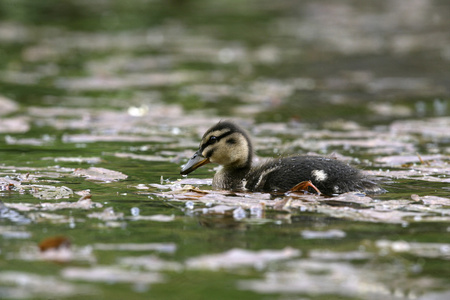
(83, 67)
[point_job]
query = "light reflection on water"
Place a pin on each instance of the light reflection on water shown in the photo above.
(134, 90)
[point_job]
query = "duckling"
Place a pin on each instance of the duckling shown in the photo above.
(229, 146)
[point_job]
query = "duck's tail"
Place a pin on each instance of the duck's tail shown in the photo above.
(370, 186)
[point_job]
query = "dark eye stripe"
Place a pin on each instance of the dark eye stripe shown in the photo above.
(224, 135)
(209, 153)
(231, 141)
(209, 142)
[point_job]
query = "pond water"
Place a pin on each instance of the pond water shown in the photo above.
(101, 102)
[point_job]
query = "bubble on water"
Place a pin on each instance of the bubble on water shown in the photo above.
(227, 55)
(190, 205)
(176, 131)
(401, 246)
(136, 111)
(72, 224)
(440, 107)
(445, 249)
(256, 211)
(239, 213)
(135, 211)
(140, 287)
(421, 108)
(416, 268)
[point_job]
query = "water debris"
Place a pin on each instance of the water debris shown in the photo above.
(350, 198)
(321, 278)
(432, 250)
(92, 138)
(328, 234)
(111, 107)
(194, 181)
(189, 205)
(353, 206)
(189, 192)
(107, 214)
(138, 111)
(102, 83)
(185, 192)
(156, 218)
(22, 285)
(218, 209)
(55, 242)
(430, 128)
(9, 184)
(11, 214)
(258, 211)
(142, 157)
(239, 213)
(331, 255)
(10, 232)
(83, 203)
(238, 258)
(391, 110)
(345, 125)
(109, 274)
(151, 263)
(135, 211)
(100, 174)
(372, 143)
(399, 160)
(432, 200)
(56, 250)
(53, 218)
(51, 192)
(380, 85)
(14, 125)
(7, 106)
(434, 173)
(372, 215)
(158, 247)
(142, 186)
(89, 160)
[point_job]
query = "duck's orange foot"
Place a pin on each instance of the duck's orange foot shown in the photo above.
(303, 186)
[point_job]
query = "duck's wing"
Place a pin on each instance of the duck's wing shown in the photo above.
(330, 176)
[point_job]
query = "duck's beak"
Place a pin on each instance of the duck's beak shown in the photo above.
(196, 161)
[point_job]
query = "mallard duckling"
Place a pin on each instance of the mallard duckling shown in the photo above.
(229, 146)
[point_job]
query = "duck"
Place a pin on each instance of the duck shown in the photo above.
(229, 145)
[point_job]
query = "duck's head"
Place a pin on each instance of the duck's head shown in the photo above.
(225, 144)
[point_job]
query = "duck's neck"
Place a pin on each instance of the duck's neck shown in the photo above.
(231, 178)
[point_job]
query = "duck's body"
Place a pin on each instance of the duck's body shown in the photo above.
(280, 175)
(229, 145)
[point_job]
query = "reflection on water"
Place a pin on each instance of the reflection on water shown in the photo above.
(103, 101)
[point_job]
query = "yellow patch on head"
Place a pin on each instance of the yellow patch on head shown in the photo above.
(225, 153)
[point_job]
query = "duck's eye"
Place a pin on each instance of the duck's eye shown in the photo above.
(213, 139)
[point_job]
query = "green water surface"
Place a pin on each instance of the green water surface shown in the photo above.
(243, 59)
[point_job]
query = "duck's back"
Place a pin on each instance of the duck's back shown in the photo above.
(330, 176)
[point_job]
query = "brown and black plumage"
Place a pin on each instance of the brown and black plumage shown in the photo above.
(229, 146)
